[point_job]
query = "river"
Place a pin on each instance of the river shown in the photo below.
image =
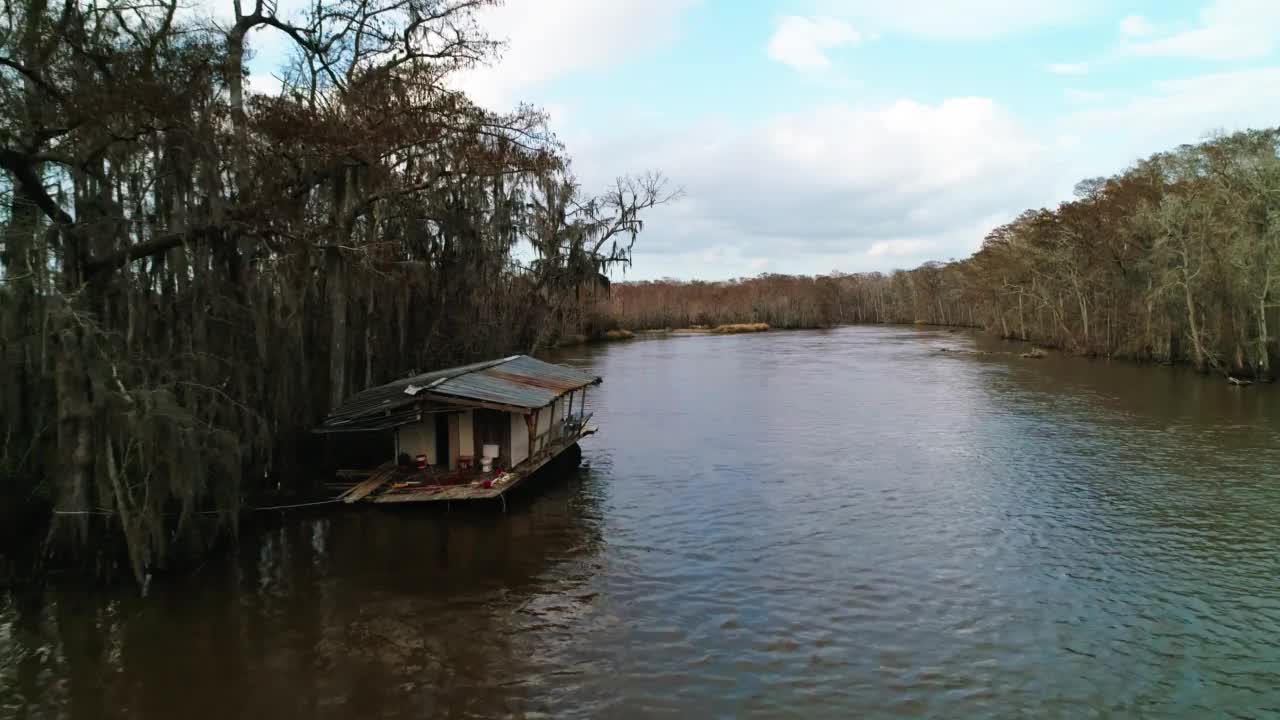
(842, 523)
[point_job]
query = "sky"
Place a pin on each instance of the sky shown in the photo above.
(812, 136)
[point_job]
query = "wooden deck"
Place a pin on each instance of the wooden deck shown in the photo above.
(381, 487)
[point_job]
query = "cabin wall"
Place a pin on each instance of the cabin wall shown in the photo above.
(466, 435)
(494, 427)
(418, 438)
(470, 430)
(548, 423)
(519, 438)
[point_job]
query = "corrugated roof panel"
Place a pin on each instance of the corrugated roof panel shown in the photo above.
(517, 381)
(391, 396)
(521, 382)
(487, 388)
(534, 368)
(376, 421)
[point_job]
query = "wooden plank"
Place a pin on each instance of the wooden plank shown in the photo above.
(384, 475)
(445, 493)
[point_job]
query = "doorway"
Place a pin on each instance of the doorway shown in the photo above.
(442, 439)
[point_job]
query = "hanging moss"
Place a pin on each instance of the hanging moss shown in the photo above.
(192, 272)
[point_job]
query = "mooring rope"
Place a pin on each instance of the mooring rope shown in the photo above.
(295, 505)
(206, 512)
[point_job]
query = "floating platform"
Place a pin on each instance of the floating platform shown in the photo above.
(513, 414)
(390, 484)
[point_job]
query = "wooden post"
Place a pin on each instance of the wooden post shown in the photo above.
(531, 420)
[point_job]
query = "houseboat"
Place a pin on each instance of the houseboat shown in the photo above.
(473, 432)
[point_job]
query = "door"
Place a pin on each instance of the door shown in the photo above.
(442, 439)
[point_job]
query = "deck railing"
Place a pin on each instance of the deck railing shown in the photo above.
(568, 426)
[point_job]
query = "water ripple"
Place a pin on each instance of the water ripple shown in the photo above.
(823, 524)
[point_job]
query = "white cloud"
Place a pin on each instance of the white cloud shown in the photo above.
(1068, 68)
(872, 188)
(1136, 26)
(269, 47)
(832, 187)
(952, 20)
(264, 80)
(803, 42)
(1230, 100)
(1084, 96)
(899, 248)
(548, 39)
(1170, 114)
(1227, 30)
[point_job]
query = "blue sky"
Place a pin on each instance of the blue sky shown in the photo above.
(820, 135)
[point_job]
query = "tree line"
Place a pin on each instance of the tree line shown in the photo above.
(192, 273)
(1175, 260)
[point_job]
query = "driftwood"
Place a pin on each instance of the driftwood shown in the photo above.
(1032, 354)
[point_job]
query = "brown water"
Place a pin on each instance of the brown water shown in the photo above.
(815, 524)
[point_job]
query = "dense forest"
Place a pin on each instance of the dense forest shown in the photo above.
(191, 273)
(1176, 260)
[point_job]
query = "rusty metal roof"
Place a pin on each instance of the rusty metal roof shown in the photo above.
(518, 381)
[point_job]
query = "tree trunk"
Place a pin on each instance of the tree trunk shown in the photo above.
(1084, 317)
(74, 395)
(1264, 355)
(235, 91)
(129, 524)
(337, 286)
(368, 343)
(1193, 327)
(19, 268)
(1022, 320)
